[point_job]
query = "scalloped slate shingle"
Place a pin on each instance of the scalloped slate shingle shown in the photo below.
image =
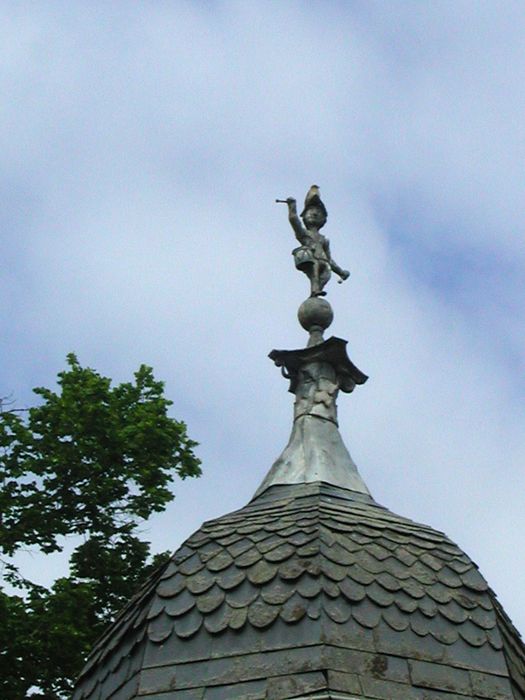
(310, 590)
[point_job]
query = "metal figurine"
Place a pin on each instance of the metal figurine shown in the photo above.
(313, 255)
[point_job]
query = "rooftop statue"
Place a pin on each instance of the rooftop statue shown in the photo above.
(313, 256)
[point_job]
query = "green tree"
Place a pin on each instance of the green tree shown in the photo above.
(95, 461)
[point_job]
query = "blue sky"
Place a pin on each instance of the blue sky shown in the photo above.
(143, 145)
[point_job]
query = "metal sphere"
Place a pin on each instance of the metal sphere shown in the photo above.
(315, 312)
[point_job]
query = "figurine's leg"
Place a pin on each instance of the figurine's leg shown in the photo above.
(324, 276)
(314, 280)
(319, 278)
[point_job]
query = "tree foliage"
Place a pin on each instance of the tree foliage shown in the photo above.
(95, 461)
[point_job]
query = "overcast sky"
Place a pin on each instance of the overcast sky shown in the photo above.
(143, 145)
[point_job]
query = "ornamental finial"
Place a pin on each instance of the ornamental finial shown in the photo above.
(313, 257)
(315, 451)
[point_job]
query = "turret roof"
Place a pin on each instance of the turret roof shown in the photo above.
(311, 591)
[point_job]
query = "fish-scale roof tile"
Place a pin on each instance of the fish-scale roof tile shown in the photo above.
(351, 564)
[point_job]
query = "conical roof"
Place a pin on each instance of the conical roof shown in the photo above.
(313, 590)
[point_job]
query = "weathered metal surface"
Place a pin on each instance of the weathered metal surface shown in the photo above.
(304, 565)
(332, 351)
(315, 452)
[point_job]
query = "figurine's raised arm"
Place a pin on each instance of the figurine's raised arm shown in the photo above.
(295, 221)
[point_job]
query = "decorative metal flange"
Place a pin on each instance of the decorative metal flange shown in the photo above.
(331, 351)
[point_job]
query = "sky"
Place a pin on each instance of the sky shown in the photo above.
(143, 146)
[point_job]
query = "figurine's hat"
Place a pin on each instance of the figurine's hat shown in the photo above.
(313, 199)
